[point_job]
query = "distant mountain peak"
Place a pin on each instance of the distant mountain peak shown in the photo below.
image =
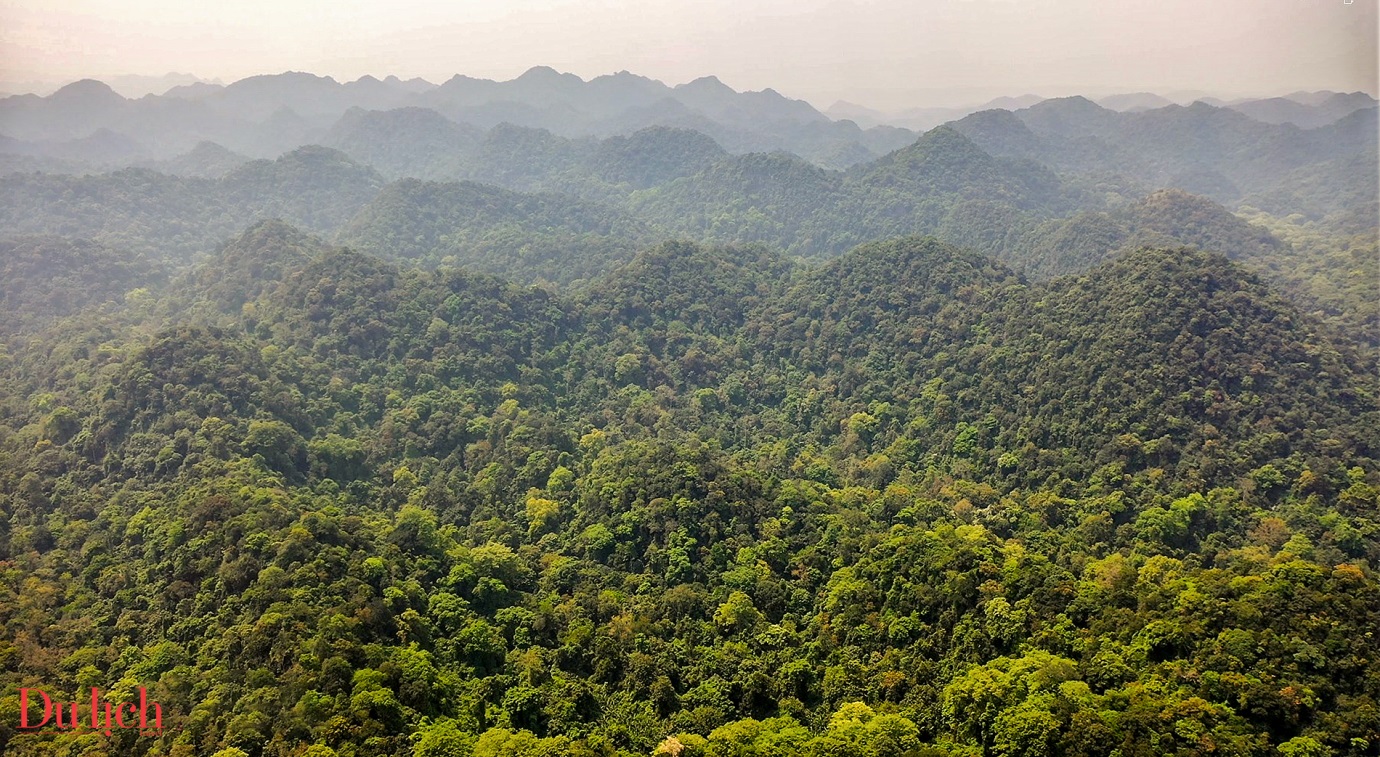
(256, 261)
(995, 116)
(1076, 103)
(944, 148)
(317, 153)
(194, 90)
(207, 146)
(997, 131)
(1013, 102)
(1133, 101)
(846, 106)
(270, 229)
(945, 135)
(286, 77)
(460, 80)
(547, 74)
(706, 84)
(285, 117)
(86, 89)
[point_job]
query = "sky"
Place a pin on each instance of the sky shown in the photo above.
(887, 54)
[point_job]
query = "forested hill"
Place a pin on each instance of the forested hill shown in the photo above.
(546, 237)
(713, 502)
(606, 418)
(175, 217)
(1215, 151)
(539, 208)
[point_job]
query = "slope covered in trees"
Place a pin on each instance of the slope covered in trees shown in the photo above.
(1218, 152)
(577, 206)
(562, 417)
(171, 216)
(47, 278)
(714, 503)
(528, 237)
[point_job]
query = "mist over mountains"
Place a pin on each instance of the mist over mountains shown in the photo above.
(698, 160)
(1303, 109)
(88, 124)
(264, 115)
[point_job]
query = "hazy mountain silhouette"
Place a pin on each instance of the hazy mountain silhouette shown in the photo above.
(1307, 110)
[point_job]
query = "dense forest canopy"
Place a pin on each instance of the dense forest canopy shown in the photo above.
(687, 422)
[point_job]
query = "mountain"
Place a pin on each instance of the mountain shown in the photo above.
(44, 278)
(654, 156)
(1001, 133)
(193, 91)
(894, 297)
(1340, 193)
(945, 162)
(861, 115)
(421, 143)
(1219, 315)
(703, 289)
(358, 313)
(1070, 117)
(131, 208)
(923, 119)
(252, 264)
(132, 86)
(1310, 113)
(1201, 148)
(72, 112)
(315, 187)
(314, 98)
(906, 309)
(695, 498)
(984, 182)
(1165, 218)
(550, 238)
(207, 160)
(715, 99)
(1134, 101)
(1011, 103)
(1322, 267)
(414, 142)
(758, 197)
(176, 217)
(100, 149)
(1197, 221)
(935, 185)
(263, 116)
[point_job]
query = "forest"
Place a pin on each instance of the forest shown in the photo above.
(1045, 432)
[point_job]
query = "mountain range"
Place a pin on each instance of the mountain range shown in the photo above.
(87, 123)
(263, 115)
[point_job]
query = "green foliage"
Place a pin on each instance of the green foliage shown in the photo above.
(148, 212)
(548, 238)
(709, 502)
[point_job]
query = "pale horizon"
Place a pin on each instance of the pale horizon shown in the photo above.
(883, 54)
(125, 85)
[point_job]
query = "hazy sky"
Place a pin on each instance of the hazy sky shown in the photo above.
(884, 53)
